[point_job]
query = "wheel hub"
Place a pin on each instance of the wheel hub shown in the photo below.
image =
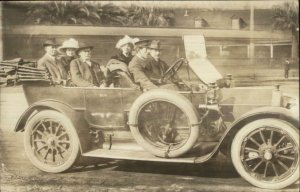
(268, 155)
(266, 151)
(51, 142)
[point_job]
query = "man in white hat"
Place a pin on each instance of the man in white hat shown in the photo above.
(68, 49)
(84, 71)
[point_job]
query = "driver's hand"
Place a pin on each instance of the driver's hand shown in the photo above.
(160, 81)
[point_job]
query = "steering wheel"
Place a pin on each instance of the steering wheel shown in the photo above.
(173, 69)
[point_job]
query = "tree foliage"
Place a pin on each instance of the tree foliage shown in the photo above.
(286, 17)
(142, 16)
(111, 14)
(73, 12)
(70, 12)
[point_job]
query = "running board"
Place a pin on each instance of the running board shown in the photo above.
(135, 155)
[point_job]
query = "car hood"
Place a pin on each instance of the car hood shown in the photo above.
(204, 70)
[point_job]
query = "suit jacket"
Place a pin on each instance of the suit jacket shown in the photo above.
(148, 72)
(54, 66)
(141, 71)
(287, 65)
(157, 69)
(65, 61)
(85, 76)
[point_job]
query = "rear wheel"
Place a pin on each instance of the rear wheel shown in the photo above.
(265, 152)
(51, 142)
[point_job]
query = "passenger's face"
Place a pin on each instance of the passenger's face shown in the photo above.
(85, 54)
(155, 53)
(70, 52)
(144, 52)
(51, 50)
(126, 49)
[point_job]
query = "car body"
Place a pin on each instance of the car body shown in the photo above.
(252, 124)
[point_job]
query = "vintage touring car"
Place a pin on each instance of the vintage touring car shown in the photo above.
(254, 125)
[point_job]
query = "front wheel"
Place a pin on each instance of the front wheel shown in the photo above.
(164, 122)
(51, 142)
(265, 152)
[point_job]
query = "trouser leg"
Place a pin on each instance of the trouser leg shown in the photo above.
(286, 73)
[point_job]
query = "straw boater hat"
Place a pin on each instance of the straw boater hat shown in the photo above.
(83, 46)
(155, 44)
(51, 41)
(70, 43)
(125, 40)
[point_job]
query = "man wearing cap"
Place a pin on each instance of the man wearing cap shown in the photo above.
(150, 70)
(138, 66)
(157, 67)
(84, 71)
(50, 62)
(68, 49)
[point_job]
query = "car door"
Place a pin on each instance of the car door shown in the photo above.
(104, 107)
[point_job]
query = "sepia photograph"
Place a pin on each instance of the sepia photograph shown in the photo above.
(154, 96)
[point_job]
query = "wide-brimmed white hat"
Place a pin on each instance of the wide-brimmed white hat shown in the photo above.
(70, 43)
(125, 40)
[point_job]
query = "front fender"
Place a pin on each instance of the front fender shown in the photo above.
(255, 114)
(75, 115)
(280, 112)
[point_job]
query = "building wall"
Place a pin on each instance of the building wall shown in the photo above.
(30, 46)
(228, 49)
(215, 18)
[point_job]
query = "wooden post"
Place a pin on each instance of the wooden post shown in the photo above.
(251, 45)
(271, 51)
(1, 33)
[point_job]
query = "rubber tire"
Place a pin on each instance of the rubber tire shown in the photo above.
(292, 131)
(65, 121)
(172, 97)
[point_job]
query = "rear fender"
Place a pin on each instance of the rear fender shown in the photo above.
(75, 115)
(259, 113)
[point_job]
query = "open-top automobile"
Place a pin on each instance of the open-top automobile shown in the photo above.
(256, 126)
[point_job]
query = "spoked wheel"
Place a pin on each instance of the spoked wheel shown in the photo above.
(166, 124)
(51, 142)
(266, 153)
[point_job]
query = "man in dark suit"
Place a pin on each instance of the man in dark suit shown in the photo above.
(84, 71)
(138, 66)
(156, 67)
(50, 62)
(286, 68)
(149, 70)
